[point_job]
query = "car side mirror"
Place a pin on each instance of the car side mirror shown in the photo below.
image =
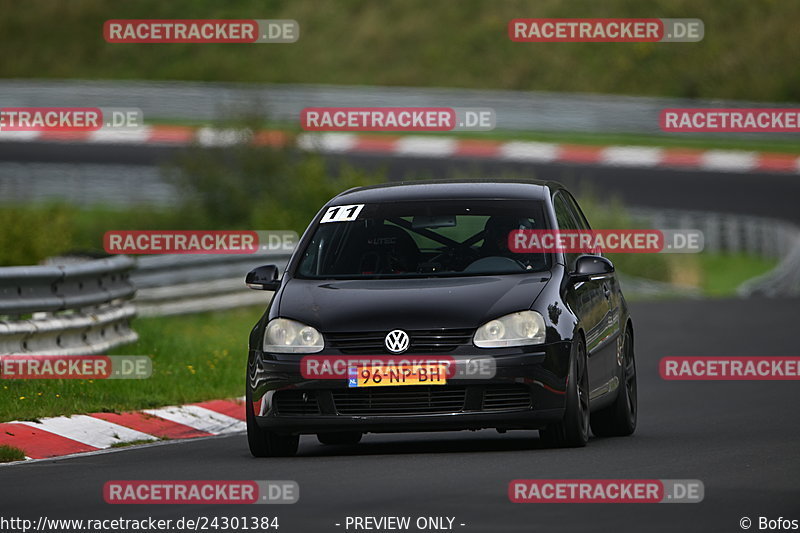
(263, 278)
(591, 267)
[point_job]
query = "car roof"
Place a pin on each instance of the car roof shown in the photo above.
(500, 189)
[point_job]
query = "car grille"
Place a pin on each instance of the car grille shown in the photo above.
(503, 397)
(388, 401)
(422, 341)
(296, 402)
(399, 400)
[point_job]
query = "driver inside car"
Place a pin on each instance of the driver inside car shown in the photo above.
(495, 240)
(388, 249)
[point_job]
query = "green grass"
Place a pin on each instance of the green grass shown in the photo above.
(716, 275)
(195, 357)
(722, 274)
(136, 442)
(747, 53)
(10, 454)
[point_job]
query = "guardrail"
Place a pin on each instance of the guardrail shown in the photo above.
(759, 236)
(784, 280)
(178, 284)
(515, 110)
(68, 309)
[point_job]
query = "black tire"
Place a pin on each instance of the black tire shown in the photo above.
(619, 418)
(264, 443)
(573, 430)
(340, 438)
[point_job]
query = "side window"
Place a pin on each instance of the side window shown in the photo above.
(565, 222)
(576, 211)
(579, 216)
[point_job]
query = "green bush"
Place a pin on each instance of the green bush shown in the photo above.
(31, 234)
(257, 187)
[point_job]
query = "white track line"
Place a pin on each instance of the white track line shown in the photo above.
(133, 136)
(6, 135)
(199, 418)
(221, 137)
(631, 156)
(528, 151)
(327, 142)
(89, 430)
(425, 146)
(728, 160)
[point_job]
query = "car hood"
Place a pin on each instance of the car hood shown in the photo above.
(428, 303)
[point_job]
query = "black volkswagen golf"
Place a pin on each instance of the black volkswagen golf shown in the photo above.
(404, 309)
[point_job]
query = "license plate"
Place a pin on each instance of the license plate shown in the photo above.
(394, 375)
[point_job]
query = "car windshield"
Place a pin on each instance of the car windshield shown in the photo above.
(422, 239)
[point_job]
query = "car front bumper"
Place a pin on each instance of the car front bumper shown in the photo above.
(525, 392)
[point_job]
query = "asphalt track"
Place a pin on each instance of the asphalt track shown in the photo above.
(740, 438)
(754, 193)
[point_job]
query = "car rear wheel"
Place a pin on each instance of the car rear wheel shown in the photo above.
(340, 437)
(573, 430)
(264, 443)
(619, 418)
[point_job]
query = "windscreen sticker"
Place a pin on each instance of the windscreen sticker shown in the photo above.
(342, 213)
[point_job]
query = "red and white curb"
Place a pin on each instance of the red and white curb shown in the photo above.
(439, 146)
(67, 435)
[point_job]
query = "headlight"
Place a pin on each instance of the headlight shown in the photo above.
(516, 329)
(289, 336)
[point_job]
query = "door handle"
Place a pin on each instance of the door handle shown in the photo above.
(606, 291)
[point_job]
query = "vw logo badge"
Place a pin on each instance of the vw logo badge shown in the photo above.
(397, 341)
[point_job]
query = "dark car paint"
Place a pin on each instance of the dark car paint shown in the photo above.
(594, 310)
(424, 302)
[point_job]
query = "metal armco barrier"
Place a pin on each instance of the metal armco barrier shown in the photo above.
(784, 280)
(515, 110)
(178, 284)
(66, 310)
(757, 236)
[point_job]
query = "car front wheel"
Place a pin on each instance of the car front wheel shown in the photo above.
(573, 430)
(619, 418)
(264, 443)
